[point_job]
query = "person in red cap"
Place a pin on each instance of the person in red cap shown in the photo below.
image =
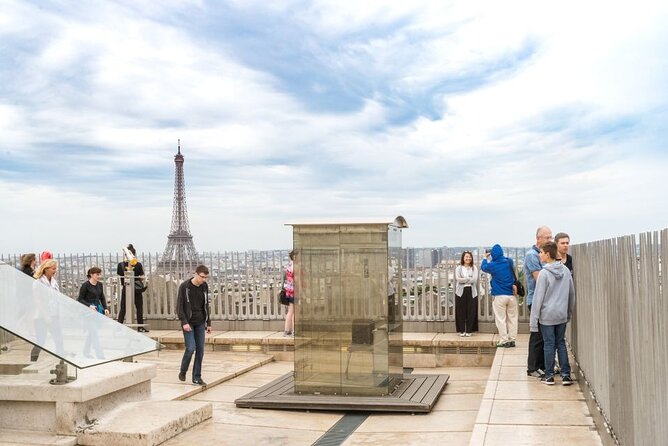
(46, 255)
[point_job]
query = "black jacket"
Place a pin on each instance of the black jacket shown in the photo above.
(90, 294)
(28, 270)
(183, 309)
(138, 270)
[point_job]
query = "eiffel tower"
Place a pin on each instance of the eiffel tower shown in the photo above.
(180, 256)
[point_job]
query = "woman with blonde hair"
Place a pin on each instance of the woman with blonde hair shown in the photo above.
(46, 274)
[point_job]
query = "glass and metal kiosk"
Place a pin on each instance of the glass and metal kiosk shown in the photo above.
(348, 318)
(348, 325)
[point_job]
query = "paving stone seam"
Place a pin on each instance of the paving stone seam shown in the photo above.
(218, 381)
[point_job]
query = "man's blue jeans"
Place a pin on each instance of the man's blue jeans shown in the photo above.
(194, 344)
(553, 336)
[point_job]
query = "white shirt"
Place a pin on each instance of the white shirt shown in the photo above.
(466, 276)
(53, 283)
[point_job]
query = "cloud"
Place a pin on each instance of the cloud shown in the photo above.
(464, 118)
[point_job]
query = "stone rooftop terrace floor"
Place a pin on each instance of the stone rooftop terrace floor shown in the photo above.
(479, 405)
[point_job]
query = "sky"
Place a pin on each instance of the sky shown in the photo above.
(476, 121)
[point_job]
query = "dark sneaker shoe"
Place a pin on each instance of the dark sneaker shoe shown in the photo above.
(536, 374)
(199, 382)
(566, 381)
(142, 330)
(548, 380)
(510, 344)
(182, 376)
(501, 344)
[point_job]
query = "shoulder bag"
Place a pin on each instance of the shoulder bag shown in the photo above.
(282, 296)
(520, 288)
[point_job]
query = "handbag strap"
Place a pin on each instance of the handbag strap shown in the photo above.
(512, 270)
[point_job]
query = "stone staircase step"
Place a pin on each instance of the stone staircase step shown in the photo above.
(10, 437)
(145, 423)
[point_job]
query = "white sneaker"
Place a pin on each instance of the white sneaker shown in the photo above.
(468, 335)
(461, 335)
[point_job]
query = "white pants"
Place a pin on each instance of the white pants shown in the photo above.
(505, 316)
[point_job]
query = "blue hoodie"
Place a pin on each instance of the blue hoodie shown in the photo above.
(499, 268)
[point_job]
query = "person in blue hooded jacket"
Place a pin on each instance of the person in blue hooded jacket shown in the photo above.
(504, 301)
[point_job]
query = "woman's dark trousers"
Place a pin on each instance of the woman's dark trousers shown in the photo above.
(466, 312)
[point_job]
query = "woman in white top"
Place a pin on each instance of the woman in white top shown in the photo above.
(466, 295)
(46, 275)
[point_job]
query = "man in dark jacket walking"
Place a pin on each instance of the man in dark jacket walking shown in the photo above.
(193, 310)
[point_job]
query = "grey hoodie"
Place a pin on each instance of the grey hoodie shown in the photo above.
(554, 296)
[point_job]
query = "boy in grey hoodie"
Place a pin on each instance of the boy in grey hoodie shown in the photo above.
(553, 303)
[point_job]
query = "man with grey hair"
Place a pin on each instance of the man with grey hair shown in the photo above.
(532, 266)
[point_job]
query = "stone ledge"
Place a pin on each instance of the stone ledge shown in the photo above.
(454, 340)
(242, 337)
(410, 339)
(90, 383)
(145, 423)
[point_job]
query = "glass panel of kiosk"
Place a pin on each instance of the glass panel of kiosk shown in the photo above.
(348, 308)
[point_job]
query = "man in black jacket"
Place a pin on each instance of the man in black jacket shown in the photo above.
(192, 308)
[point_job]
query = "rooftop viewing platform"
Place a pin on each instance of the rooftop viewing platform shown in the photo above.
(488, 400)
(366, 253)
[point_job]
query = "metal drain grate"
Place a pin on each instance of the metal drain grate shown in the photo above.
(448, 350)
(468, 350)
(338, 433)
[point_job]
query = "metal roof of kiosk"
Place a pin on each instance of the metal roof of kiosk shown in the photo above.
(399, 222)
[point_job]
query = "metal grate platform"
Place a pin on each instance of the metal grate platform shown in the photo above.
(416, 393)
